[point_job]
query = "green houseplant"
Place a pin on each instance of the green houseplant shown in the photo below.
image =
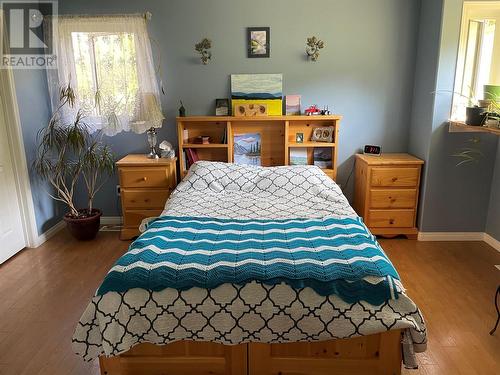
(68, 152)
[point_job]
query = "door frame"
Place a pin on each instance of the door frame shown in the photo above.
(18, 156)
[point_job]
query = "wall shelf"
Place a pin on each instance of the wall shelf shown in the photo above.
(462, 127)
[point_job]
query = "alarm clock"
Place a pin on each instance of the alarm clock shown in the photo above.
(372, 150)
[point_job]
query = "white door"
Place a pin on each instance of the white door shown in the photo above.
(11, 227)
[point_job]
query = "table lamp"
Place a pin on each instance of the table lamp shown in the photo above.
(149, 118)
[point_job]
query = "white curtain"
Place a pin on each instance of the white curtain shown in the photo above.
(109, 64)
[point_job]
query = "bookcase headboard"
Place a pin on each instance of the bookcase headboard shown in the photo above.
(278, 138)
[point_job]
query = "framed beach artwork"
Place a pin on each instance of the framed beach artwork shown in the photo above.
(258, 41)
(258, 89)
(247, 148)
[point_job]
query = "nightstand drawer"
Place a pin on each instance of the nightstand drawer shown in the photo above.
(391, 218)
(144, 198)
(395, 177)
(393, 198)
(144, 177)
(133, 218)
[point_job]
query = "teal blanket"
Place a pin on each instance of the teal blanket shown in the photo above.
(330, 255)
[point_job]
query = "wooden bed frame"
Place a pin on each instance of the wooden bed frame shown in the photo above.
(378, 354)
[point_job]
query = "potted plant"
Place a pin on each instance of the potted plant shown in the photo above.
(492, 99)
(475, 114)
(68, 153)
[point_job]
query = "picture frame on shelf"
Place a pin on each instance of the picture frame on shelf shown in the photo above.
(298, 156)
(299, 137)
(292, 105)
(222, 107)
(323, 157)
(322, 134)
(258, 42)
(247, 148)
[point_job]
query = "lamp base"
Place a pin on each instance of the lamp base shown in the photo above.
(153, 155)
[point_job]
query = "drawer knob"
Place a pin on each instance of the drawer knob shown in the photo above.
(391, 221)
(144, 179)
(392, 199)
(146, 200)
(394, 179)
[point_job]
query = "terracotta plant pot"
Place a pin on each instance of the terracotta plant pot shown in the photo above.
(84, 229)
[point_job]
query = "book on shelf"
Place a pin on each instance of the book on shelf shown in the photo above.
(186, 162)
(191, 157)
(224, 137)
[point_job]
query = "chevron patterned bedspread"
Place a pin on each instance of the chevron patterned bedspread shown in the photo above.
(330, 255)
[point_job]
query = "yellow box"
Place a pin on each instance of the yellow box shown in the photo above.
(274, 106)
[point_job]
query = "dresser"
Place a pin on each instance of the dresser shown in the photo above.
(386, 193)
(145, 185)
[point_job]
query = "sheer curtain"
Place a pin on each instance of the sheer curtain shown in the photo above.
(109, 64)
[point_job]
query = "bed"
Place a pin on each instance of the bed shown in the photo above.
(252, 270)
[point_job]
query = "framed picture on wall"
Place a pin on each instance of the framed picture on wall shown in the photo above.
(258, 41)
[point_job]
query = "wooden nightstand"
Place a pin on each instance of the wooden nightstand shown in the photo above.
(386, 193)
(145, 186)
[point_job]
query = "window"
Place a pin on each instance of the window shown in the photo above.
(108, 62)
(478, 61)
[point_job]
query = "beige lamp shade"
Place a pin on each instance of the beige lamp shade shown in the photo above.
(148, 115)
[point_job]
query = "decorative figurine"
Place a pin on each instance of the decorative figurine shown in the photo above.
(182, 110)
(313, 46)
(325, 111)
(313, 110)
(203, 48)
(166, 150)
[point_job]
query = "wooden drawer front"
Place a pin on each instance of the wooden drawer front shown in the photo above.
(391, 218)
(395, 176)
(144, 177)
(144, 198)
(133, 218)
(393, 198)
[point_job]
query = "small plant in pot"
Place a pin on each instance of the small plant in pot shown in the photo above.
(475, 114)
(68, 153)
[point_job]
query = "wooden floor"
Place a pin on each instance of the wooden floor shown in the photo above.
(44, 291)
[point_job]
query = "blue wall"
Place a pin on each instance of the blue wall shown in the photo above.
(382, 61)
(34, 111)
(453, 198)
(493, 223)
(365, 72)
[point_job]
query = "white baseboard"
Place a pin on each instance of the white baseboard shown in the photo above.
(450, 236)
(111, 220)
(460, 236)
(42, 238)
(51, 232)
(493, 242)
